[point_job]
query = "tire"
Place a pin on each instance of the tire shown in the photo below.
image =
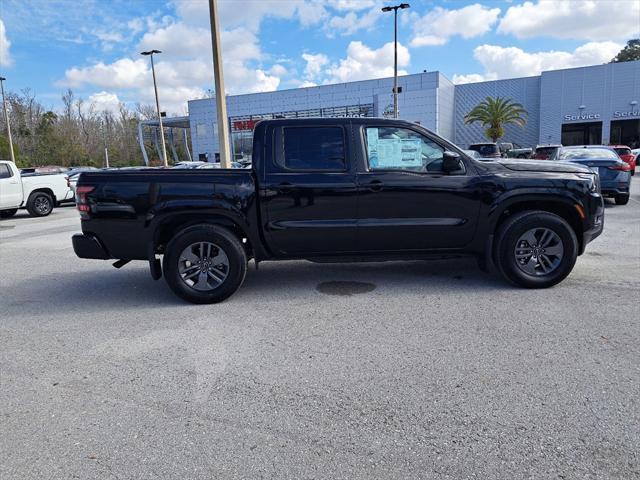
(622, 199)
(8, 213)
(554, 242)
(40, 204)
(204, 245)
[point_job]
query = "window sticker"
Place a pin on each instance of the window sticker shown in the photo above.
(372, 146)
(411, 152)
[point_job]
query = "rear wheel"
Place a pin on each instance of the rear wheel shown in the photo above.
(205, 264)
(40, 204)
(8, 213)
(622, 199)
(536, 249)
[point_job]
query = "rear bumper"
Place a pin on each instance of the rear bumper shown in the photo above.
(618, 185)
(612, 192)
(88, 246)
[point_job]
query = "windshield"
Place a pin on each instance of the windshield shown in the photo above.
(545, 150)
(623, 151)
(588, 154)
(484, 149)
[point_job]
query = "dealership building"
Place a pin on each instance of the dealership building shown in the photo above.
(589, 105)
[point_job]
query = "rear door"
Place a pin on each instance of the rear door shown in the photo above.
(406, 201)
(309, 191)
(10, 187)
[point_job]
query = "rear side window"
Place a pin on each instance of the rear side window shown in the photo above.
(5, 172)
(314, 148)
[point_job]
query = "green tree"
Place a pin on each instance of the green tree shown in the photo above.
(494, 114)
(5, 153)
(629, 53)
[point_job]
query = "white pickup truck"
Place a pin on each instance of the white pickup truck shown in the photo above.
(38, 193)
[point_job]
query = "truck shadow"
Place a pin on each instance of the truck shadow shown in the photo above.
(104, 290)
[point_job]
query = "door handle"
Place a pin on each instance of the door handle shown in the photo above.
(375, 185)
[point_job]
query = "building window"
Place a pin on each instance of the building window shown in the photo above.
(201, 130)
(589, 133)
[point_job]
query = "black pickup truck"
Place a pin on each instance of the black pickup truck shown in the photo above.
(341, 190)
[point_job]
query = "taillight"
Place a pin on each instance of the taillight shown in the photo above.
(625, 167)
(82, 203)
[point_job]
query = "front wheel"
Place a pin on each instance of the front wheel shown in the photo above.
(536, 249)
(205, 264)
(8, 213)
(39, 204)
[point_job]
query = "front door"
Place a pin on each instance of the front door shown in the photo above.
(406, 201)
(10, 187)
(309, 191)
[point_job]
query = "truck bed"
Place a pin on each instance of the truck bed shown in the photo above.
(130, 208)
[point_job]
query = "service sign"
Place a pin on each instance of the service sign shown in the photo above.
(630, 113)
(582, 117)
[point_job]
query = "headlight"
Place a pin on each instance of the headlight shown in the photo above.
(594, 181)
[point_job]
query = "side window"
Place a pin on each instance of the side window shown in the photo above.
(314, 148)
(5, 172)
(392, 148)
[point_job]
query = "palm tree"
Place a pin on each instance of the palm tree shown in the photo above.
(494, 114)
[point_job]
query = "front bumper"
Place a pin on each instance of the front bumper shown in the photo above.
(88, 246)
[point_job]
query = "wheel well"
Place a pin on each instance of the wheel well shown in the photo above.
(48, 191)
(567, 212)
(168, 230)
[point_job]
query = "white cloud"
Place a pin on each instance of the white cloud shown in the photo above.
(5, 55)
(352, 4)
(352, 22)
(472, 78)
(438, 25)
(250, 13)
(315, 63)
(364, 63)
(105, 101)
(278, 70)
(510, 62)
(574, 19)
(123, 73)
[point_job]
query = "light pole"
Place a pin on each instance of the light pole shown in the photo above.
(155, 88)
(395, 9)
(218, 77)
(105, 127)
(6, 118)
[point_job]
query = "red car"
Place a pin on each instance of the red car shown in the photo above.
(626, 155)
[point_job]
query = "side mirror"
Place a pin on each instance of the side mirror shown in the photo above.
(451, 162)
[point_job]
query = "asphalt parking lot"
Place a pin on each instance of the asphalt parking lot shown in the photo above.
(422, 370)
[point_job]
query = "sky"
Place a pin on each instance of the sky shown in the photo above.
(93, 46)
